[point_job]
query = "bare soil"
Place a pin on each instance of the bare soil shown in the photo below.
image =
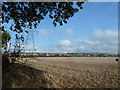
(77, 72)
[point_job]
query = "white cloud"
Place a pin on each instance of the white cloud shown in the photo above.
(107, 34)
(91, 42)
(64, 43)
(45, 32)
(100, 41)
(66, 31)
(69, 31)
(105, 37)
(29, 48)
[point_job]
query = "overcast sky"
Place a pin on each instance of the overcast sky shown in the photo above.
(94, 29)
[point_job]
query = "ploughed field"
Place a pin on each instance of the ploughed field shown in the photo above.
(77, 72)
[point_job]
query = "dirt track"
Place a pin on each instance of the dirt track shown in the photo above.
(77, 72)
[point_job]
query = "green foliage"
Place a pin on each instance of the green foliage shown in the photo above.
(5, 38)
(29, 14)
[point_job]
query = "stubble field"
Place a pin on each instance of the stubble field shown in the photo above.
(77, 72)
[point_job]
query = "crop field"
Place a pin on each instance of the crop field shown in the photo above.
(77, 72)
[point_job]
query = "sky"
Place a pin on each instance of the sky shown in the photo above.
(94, 29)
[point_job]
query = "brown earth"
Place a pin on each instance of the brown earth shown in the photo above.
(77, 72)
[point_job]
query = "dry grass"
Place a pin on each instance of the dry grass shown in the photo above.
(77, 72)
